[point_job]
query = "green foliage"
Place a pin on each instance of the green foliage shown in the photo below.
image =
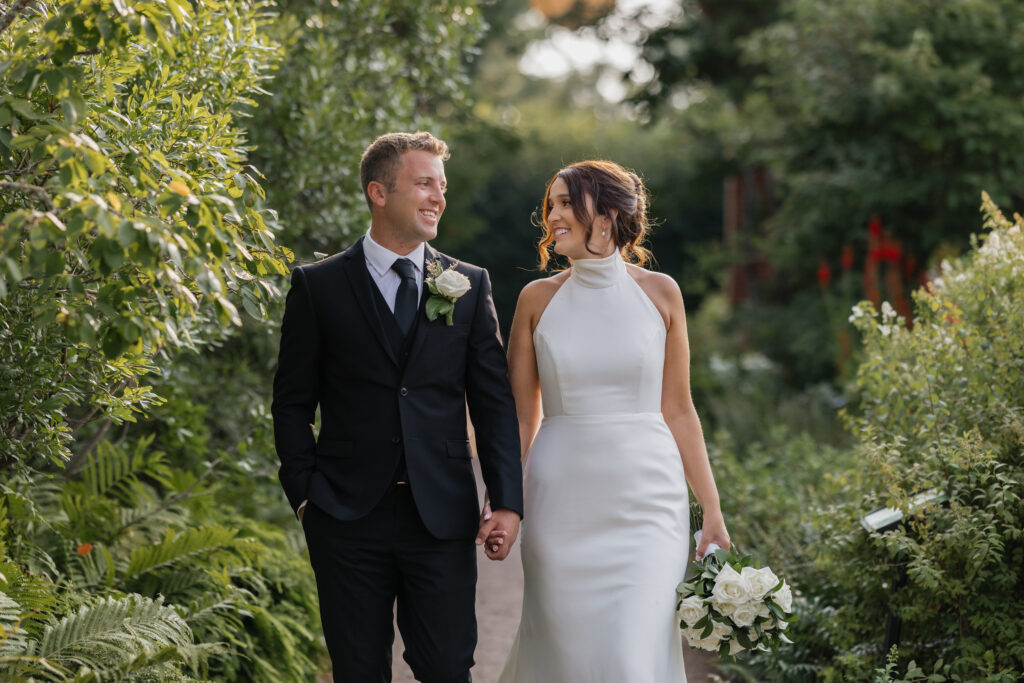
(141, 523)
(941, 408)
(352, 70)
(130, 216)
(904, 110)
(122, 530)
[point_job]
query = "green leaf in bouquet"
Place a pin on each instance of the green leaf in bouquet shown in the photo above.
(775, 609)
(745, 642)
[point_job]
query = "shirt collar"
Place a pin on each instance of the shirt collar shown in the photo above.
(381, 258)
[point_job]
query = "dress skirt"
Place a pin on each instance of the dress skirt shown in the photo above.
(604, 545)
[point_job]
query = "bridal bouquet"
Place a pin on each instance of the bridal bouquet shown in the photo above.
(731, 605)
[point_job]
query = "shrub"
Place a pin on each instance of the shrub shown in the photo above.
(941, 407)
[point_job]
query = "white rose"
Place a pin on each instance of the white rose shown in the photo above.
(725, 609)
(452, 284)
(692, 610)
(761, 580)
(735, 647)
(710, 644)
(692, 637)
(745, 614)
(721, 631)
(762, 611)
(730, 587)
(784, 598)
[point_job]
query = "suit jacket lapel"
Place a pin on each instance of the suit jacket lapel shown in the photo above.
(359, 280)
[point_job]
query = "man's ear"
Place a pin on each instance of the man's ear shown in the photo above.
(377, 192)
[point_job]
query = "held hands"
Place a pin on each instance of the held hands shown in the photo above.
(498, 531)
(713, 531)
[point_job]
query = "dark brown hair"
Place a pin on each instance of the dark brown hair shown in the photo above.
(611, 188)
(381, 158)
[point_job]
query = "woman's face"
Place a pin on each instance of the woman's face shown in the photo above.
(570, 233)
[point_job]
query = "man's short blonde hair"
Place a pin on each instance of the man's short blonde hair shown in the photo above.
(381, 159)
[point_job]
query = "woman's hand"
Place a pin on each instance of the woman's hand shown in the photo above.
(713, 531)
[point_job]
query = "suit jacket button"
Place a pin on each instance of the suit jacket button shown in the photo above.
(403, 391)
(396, 439)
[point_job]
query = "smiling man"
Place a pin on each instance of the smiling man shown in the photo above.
(385, 492)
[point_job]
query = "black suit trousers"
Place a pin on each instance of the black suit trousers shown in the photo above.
(363, 566)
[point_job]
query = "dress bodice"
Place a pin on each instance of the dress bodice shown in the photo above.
(600, 344)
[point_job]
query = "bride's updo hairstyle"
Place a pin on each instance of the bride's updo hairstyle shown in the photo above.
(611, 188)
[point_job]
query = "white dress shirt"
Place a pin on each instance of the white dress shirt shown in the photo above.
(379, 261)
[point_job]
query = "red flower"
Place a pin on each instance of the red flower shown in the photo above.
(824, 274)
(84, 549)
(890, 251)
(846, 258)
(875, 226)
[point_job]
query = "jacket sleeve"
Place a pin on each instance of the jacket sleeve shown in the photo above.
(296, 391)
(491, 406)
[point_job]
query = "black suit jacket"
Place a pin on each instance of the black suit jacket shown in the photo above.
(376, 401)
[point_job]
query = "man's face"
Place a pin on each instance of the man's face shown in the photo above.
(410, 212)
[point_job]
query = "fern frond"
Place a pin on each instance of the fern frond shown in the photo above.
(18, 668)
(36, 597)
(191, 543)
(220, 616)
(95, 569)
(112, 632)
(12, 636)
(112, 469)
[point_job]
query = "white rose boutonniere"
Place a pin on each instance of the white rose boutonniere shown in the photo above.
(446, 287)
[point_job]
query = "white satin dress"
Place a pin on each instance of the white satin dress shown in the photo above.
(605, 531)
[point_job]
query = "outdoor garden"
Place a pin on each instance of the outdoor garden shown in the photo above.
(835, 185)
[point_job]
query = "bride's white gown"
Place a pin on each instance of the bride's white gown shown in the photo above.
(605, 532)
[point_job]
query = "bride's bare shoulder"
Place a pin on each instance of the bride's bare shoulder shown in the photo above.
(661, 289)
(536, 296)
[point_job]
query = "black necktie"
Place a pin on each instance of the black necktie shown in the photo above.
(405, 299)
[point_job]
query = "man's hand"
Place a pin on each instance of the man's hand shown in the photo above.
(498, 532)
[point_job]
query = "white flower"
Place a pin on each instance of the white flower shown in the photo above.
(784, 598)
(692, 610)
(452, 284)
(744, 614)
(761, 580)
(763, 611)
(692, 636)
(710, 644)
(855, 313)
(730, 588)
(721, 631)
(735, 647)
(888, 311)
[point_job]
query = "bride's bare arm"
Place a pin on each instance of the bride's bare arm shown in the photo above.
(680, 413)
(522, 360)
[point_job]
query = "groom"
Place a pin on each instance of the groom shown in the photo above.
(386, 492)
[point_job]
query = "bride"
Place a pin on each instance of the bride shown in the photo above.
(603, 347)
